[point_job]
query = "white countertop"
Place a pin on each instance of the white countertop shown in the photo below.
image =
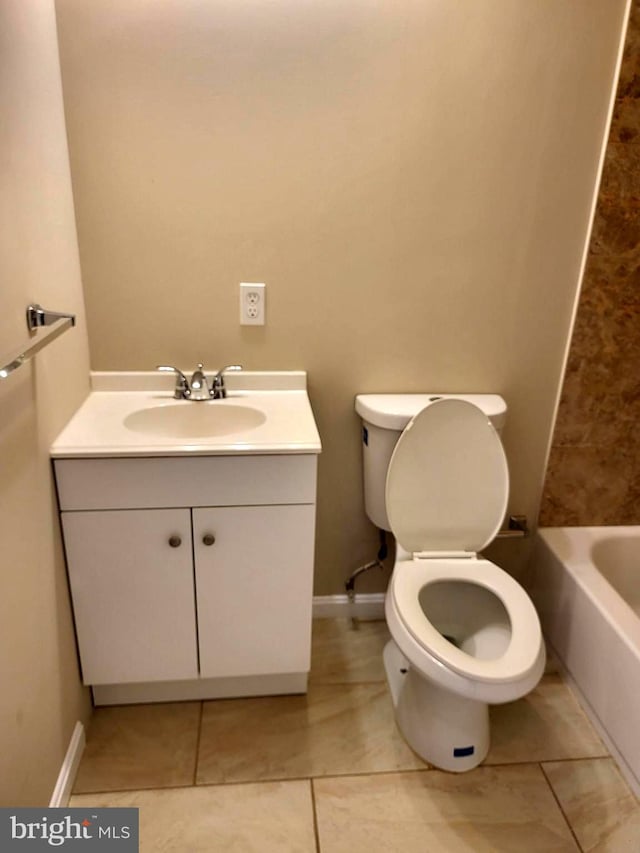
(98, 428)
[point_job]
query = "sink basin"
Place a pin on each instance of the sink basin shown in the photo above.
(194, 420)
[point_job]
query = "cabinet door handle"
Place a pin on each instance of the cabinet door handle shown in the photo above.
(208, 539)
(175, 541)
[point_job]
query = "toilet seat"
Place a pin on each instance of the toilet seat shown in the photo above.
(522, 652)
(446, 496)
(448, 482)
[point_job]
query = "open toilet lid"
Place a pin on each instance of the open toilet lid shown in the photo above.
(448, 481)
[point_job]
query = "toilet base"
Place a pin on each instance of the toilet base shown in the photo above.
(447, 730)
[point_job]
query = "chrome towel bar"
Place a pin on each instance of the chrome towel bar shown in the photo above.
(37, 318)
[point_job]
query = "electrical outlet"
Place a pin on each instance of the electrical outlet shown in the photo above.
(252, 303)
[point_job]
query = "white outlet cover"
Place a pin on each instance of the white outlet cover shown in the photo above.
(252, 303)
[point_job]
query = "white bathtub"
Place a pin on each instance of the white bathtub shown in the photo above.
(586, 586)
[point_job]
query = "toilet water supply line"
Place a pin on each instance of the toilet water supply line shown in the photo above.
(378, 562)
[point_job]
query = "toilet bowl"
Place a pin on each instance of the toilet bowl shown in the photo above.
(464, 633)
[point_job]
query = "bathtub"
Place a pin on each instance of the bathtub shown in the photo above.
(586, 587)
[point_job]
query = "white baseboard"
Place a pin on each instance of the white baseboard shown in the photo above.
(69, 769)
(367, 606)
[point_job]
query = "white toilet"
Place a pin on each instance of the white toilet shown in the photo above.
(464, 633)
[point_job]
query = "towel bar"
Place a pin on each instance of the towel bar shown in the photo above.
(55, 324)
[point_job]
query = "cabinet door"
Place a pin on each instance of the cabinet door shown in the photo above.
(133, 594)
(254, 588)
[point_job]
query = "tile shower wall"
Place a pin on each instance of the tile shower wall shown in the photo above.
(594, 469)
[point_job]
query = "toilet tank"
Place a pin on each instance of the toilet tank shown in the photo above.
(384, 416)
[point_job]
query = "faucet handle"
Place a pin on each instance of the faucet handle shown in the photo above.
(182, 389)
(229, 367)
(217, 386)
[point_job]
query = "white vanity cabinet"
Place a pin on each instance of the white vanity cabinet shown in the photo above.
(133, 594)
(190, 577)
(253, 599)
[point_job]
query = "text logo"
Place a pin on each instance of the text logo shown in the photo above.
(104, 830)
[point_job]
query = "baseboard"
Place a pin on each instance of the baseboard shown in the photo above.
(69, 769)
(367, 606)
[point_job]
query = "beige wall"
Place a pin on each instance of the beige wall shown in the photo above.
(594, 468)
(412, 181)
(41, 696)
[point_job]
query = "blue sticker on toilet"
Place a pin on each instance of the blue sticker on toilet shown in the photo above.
(463, 751)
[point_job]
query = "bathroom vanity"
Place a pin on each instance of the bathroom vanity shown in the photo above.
(190, 548)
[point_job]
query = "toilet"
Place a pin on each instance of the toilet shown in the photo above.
(464, 633)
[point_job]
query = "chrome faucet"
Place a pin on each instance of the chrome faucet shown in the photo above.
(199, 389)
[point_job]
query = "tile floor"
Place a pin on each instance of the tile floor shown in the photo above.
(328, 772)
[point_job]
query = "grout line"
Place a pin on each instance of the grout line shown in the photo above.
(316, 829)
(546, 760)
(194, 787)
(319, 681)
(428, 768)
(347, 774)
(559, 804)
(105, 791)
(270, 780)
(344, 775)
(598, 757)
(237, 782)
(198, 739)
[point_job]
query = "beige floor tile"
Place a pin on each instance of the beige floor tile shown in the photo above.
(140, 746)
(343, 652)
(603, 812)
(546, 725)
(488, 810)
(334, 729)
(272, 817)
